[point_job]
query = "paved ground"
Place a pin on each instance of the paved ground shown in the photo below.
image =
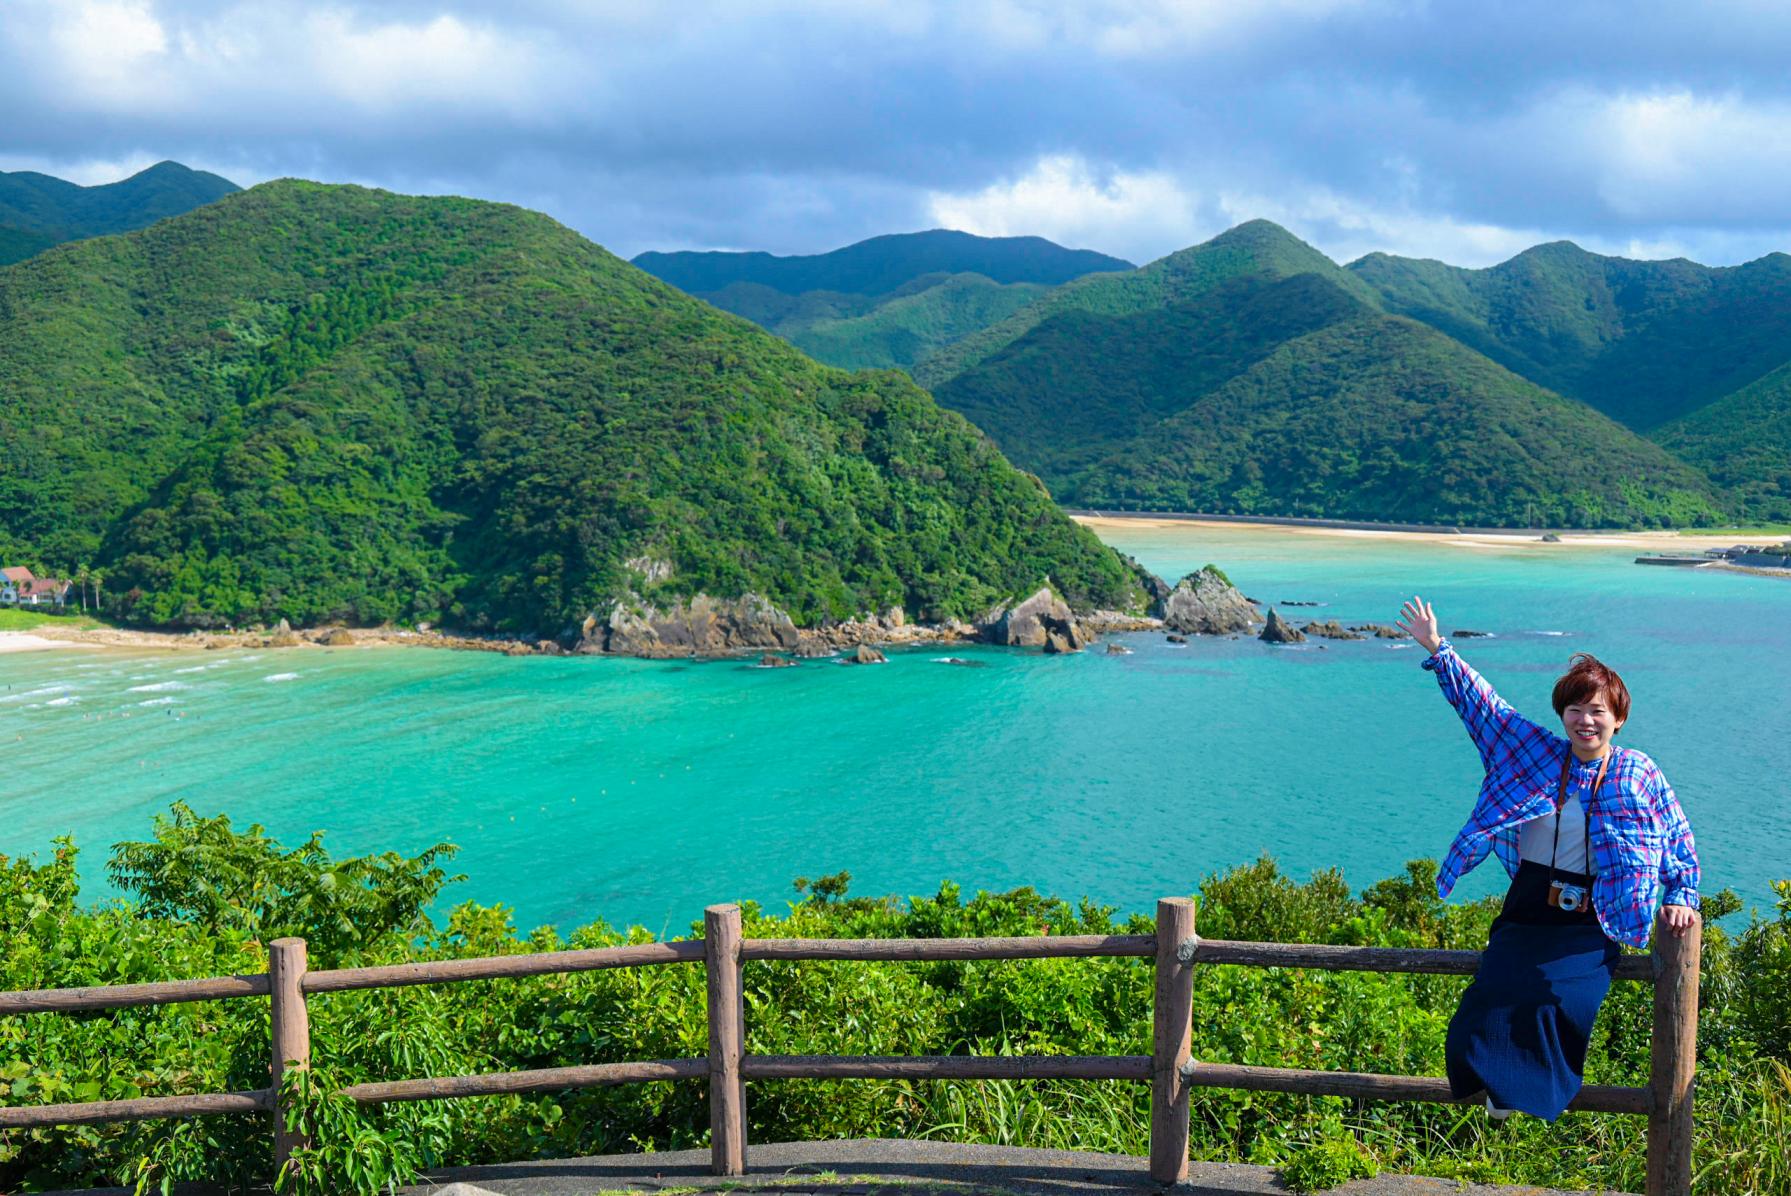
(876, 1167)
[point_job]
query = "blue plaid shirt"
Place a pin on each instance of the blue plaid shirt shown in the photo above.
(1641, 843)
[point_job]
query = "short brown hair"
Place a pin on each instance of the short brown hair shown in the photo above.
(1585, 677)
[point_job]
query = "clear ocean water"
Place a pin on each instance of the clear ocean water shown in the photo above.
(638, 792)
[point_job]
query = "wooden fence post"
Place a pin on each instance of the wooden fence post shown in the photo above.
(727, 1035)
(1171, 1017)
(1674, 1058)
(291, 1034)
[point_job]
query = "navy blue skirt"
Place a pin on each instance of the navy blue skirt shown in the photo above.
(1523, 1025)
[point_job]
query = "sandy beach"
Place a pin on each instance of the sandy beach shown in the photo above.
(1643, 541)
(25, 641)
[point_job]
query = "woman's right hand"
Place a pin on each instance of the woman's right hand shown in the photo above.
(1420, 623)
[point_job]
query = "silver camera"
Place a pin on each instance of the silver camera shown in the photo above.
(1571, 898)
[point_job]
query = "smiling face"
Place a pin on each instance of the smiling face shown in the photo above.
(1589, 724)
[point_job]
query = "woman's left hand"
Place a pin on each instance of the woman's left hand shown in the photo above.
(1679, 917)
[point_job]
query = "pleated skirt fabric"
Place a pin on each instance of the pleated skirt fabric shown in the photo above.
(1524, 1024)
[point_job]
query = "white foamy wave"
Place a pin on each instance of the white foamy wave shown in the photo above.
(156, 702)
(1397, 647)
(158, 687)
(281, 677)
(1551, 633)
(39, 692)
(197, 668)
(62, 701)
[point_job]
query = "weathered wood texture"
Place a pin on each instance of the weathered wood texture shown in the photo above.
(1594, 1098)
(131, 996)
(1027, 947)
(946, 1067)
(1371, 959)
(549, 1079)
(290, 1038)
(499, 967)
(727, 1038)
(1172, 1009)
(1674, 1058)
(141, 1109)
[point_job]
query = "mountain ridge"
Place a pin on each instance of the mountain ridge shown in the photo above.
(38, 210)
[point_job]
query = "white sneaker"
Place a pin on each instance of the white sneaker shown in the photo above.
(1497, 1114)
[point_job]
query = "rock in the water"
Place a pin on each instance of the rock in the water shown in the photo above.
(702, 626)
(1280, 631)
(1032, 623)
(813, 649)
(1176, 639)
(1057, 641)
(1331, 629)
(281, 639)
(1206, 603)
(1470, 635)
(1118, 650)
(868, 655)
(1379, 631)
(768, 661)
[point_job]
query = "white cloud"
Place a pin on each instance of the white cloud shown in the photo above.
(105, 46)
(1668, 155)
(1062, 198)
(441, 60)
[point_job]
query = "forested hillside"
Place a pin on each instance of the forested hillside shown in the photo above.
(1743, 441)
(322, 402)
(1644, 342)
(38, 211)
(886, 302)
(1281, 393)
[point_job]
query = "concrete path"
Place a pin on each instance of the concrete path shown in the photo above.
(880, 1167)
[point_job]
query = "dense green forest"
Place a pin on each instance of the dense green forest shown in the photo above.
(37, 211)
(1683, 354)
(882, 264)
(884, 303)
(1290, 395)
(1644, 342)
(201, 898)
(323, 403)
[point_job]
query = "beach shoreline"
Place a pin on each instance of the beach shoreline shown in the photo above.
(1652, 541)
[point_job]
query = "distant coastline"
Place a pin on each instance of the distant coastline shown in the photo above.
(1662, 540)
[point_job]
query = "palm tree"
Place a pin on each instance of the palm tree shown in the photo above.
(82, 577)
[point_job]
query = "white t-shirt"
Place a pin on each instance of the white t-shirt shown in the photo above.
(1536, 839)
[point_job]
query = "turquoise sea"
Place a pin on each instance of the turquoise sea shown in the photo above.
(638, 792)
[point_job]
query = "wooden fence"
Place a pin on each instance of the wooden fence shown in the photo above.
(1667, 1100)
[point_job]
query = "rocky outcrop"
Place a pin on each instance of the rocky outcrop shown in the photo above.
(1118, 650)
(1206, 603)
(1042, 620)
(769, 661)
(702, 626)
(1379, 631)
(868, 655)
(338, 637)
(1280, 631)
(1331, 629)
(1461, 633)
(1156, 590)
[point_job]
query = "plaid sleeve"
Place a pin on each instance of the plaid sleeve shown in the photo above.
(1490, 720)
(1679, 871)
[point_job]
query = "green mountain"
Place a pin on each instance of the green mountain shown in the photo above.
(1260, 388)
(884, 303)
(1258, 248)
(37, 211)
(882, 264)
(1644, 342)
(320, 402)
(1743, 441)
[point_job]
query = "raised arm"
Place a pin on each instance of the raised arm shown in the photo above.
(1490, 720)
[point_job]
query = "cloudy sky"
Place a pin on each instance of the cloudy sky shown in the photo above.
(1462, 131)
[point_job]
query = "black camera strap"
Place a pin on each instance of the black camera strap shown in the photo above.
(1585, 808)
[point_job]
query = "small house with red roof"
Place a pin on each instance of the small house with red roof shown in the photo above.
(19, 587)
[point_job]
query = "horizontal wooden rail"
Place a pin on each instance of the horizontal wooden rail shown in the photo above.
(140, 1109)
(1036, 946)
(548, 1079)
(1593, 1098)
(501, 967)
(131, 996)
(1369, 959)
(946, 1067)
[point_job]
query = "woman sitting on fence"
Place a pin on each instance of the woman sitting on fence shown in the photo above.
(1591, 835)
